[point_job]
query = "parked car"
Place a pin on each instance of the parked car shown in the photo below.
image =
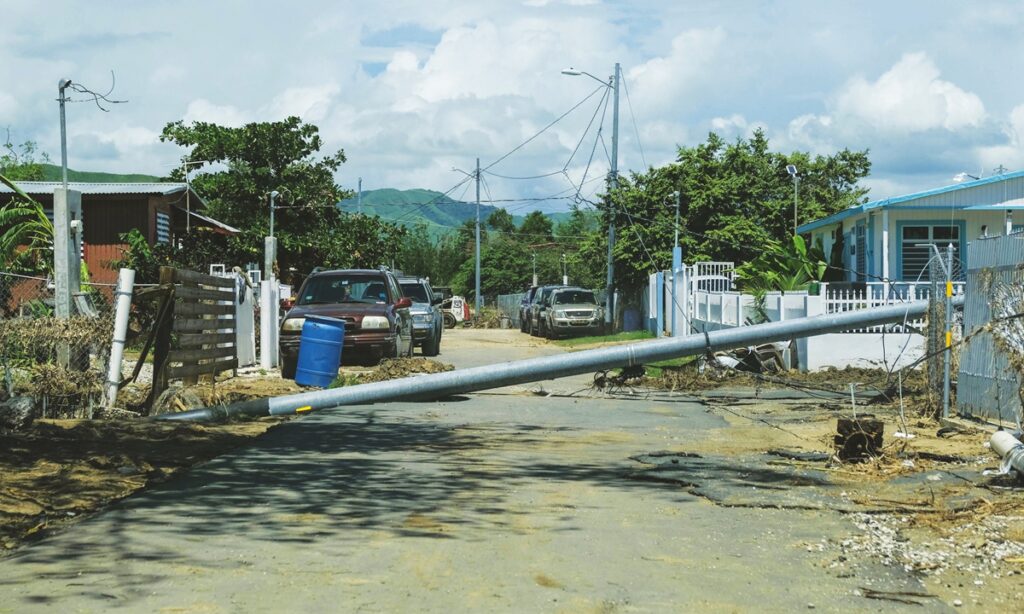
(376, 314)
(427, 321)
(570, 311)
(524, 308)
(537, 307)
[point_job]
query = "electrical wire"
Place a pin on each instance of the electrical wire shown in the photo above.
(636, 129)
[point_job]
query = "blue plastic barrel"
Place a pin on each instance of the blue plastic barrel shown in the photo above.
(319, 351)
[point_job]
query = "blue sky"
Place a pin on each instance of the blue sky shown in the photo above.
(411, 90)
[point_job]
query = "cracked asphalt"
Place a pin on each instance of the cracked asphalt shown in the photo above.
(503, 501)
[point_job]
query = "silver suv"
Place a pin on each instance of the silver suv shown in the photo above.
(568, 311)
(427, 320)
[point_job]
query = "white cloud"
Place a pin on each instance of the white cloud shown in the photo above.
(8, 107)
(660, 84)
(202, 110)
(1010, 154)
(910, 97)
(312, 104)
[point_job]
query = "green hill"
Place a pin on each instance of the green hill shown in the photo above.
(51, 172)
(440, 213)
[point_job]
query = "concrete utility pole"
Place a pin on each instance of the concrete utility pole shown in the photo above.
(609, 315)
(67, 223)
(359, 197)
(479, 299)
(613, 183)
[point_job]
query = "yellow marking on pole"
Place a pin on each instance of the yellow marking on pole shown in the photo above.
(305, 408)
(949, 288)
(949, 338)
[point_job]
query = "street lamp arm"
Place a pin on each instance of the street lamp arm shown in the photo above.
(572, 72)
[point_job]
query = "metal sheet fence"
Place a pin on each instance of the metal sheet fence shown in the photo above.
(992, 360)
(508, 305)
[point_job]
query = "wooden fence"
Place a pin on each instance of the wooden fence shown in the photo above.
(198, 336)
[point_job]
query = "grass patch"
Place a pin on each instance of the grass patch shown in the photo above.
(657, 369)
(637, 335)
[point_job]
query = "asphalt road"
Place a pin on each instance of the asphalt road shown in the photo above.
(504, 501)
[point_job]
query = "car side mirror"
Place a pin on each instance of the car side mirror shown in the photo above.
(403, 303)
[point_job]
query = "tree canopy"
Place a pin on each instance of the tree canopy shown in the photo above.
(735, 198)
(239, 167)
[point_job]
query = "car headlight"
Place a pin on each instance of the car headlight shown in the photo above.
(423, 318)
(376, 322)
(560, 313)
(293, 325)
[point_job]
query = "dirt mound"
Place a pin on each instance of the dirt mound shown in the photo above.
(58, 470)
(404, 367)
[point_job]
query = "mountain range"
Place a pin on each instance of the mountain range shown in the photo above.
(440, 213)
(408, 208)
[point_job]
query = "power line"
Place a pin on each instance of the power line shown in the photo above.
(545, 128)
(636, 129)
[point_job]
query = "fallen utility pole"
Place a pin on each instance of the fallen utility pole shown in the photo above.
(439, 385)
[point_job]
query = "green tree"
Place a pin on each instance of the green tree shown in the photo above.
(536, 228)
(26, 234)
(417, 255)
(22, 162)
(736, 199)
(501, 220)
(284, 156)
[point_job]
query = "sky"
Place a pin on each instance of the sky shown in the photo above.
(413, 90)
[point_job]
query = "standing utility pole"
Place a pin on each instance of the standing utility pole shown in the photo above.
(359, 197)
(791, 169)
(270, 247)
(679, 201)
(479, 299)
(63, 85)
(613, 182)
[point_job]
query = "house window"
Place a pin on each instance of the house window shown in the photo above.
(916, 251)
(163, 227)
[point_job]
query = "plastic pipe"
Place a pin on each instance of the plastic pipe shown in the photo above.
(123, 298)
(1010, 449)
(439, 385)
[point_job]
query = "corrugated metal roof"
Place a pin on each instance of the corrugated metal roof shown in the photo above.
(916, 196)
(47, 187)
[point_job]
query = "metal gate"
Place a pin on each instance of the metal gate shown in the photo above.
(992, 359)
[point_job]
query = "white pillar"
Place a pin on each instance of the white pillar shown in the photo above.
(268, 323)
(123, 297)
(885, 245)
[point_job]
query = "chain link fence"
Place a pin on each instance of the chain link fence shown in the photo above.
(990, 383)
(60, 364)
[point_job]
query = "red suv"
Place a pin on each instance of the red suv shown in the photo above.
(376, 315)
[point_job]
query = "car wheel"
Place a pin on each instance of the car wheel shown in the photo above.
(449, 320)
(288, 367)
(432, 346)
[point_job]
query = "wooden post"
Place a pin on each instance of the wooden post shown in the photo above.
(162, 345)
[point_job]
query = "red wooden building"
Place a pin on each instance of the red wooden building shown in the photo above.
(157, 210)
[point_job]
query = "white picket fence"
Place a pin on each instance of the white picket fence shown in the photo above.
(704, 301)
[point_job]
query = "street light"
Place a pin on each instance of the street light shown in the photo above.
(791, 169)
(613, 181)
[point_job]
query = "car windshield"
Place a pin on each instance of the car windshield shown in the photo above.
(416, 291)
(574, 297)
(327, 289)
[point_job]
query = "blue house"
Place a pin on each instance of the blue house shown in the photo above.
(890, 240)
